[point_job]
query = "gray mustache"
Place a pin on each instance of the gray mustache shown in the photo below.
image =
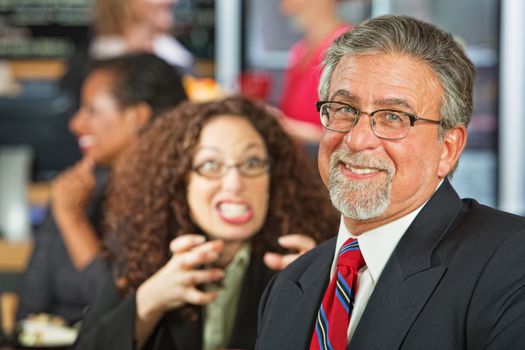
(361, 159)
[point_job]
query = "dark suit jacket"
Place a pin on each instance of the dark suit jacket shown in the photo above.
(456, 280)
(109, 324)
(51, 283)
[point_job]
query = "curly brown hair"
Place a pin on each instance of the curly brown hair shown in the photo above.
(147, 202)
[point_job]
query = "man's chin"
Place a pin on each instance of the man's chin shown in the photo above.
(359, 205)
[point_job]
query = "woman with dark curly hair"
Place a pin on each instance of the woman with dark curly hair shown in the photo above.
(207, 191)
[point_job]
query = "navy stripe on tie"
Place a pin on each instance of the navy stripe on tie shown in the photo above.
(321, 328)
(350, 246)
(344, 293)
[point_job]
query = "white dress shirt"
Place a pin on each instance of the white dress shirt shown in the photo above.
(376, 246)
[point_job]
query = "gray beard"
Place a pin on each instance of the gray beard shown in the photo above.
(359, 200)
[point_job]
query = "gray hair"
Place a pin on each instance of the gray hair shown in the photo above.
(423, 41)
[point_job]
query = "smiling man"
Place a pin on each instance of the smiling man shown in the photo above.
(413, 266)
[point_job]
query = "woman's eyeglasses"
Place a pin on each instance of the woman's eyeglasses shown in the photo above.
(251, 167)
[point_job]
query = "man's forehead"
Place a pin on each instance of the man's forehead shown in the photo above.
(398, 68)
(349, 61)
(346, 63)
(381, 78)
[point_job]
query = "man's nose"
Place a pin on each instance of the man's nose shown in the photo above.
(362, 137)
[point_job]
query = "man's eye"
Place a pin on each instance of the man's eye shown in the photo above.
(347, 110)
(393, 117)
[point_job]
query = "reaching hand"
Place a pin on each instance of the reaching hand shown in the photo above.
(175, 284)
(295, 242)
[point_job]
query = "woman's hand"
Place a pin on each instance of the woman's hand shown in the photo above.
(70, 194)
(296, 242)
(176, 283)
(71, 191)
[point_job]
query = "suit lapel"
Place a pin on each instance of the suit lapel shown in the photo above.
(393, 307)
(299, 300)
(411, 275)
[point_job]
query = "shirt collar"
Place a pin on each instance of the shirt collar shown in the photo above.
(377, 244)
(241, 259)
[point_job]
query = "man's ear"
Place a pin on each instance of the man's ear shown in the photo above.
(139, 115)
(453, 144)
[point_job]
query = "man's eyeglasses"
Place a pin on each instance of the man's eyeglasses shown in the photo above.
(250, 167)
(386, 124)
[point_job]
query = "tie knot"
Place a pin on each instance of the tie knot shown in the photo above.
(350, 255)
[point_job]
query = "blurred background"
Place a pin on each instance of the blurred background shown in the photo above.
(238, 46)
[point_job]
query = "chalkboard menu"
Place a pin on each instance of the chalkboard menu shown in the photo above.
(42, 28)
(195, 26)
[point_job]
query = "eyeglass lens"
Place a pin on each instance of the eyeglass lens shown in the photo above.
(251, 167)
(385, 123)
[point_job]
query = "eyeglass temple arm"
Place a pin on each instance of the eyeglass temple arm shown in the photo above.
(414, 118)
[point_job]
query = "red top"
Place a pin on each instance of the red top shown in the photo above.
(302, 78)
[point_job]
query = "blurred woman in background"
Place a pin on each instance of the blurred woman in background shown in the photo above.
(202, 198)
(137, 25)
(120, 97)
(319, 22)
(126, 26)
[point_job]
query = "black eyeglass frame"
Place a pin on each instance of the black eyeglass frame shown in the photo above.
(412, 117)
(266, 169)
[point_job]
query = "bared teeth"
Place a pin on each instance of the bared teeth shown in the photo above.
(232, 210)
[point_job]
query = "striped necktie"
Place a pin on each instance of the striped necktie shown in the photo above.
(336, 308)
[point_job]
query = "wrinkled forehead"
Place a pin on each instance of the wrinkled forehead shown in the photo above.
(369, 78)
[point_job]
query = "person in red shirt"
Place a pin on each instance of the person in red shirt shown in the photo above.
(320, 24)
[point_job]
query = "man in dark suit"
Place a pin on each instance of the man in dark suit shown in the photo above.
(439, 272)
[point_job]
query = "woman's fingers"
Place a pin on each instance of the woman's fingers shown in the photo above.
(198, 297)
(192, 259)
(171, 289)
(196, 277)
(298, 242)
(181, 275)
(189, 241)
(201, 254)
(185, 243)
(279, 261)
